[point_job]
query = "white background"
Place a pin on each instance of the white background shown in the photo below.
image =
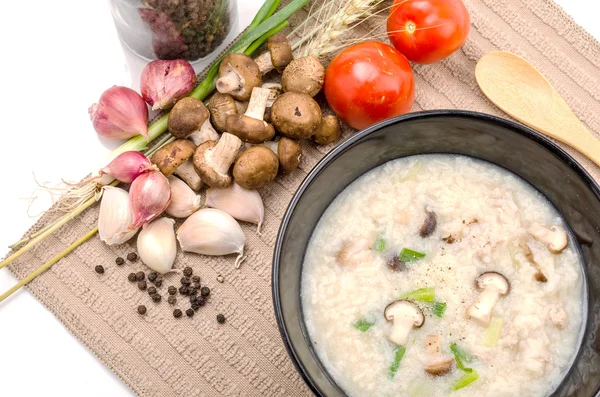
(56, 59)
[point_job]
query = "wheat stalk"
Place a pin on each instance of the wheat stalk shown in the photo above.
(339, 20)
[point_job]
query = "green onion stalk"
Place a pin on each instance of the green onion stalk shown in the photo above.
(265, 24)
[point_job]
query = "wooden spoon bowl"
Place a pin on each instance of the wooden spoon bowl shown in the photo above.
(520, 90)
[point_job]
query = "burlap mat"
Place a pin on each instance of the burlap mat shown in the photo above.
(157, 355)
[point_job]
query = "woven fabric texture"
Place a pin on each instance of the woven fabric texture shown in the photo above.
(158, 355)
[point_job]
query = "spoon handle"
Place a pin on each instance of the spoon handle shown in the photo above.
(563, 125)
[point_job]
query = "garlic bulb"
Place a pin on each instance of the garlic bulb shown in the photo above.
(115, 216)
(243, 204)
(212, 232)
(157, 246)
(184, 201)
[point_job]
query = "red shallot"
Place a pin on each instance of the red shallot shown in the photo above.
(121, 113)
(149, 196)
(164, 82)
(127, 166)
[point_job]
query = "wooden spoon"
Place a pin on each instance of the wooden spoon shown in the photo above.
(519, 89)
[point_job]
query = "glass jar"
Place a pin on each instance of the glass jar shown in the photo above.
(172, 29)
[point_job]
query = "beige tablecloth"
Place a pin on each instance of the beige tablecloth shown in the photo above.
(158, 355)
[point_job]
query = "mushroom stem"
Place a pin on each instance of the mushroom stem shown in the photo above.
(230, 81)
(187, 172)
(484, 305)
(204, 134)
(224, 154)
(275, 89)
(264, 62)
(258, 103)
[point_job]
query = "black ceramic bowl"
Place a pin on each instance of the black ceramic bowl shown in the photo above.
(510, 145)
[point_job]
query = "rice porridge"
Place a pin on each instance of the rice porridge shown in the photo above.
(439, 275)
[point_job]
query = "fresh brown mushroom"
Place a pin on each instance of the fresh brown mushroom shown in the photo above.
(429, 224)
(213, 160)
(437, 364)
(296, 115)
(304, 75)
(539, 274)
(555, 238)
(288, 151)
(278, 56)
(221, 106)
(250, 126)
(256, 167)
(238, 75)
(405, 316)
(328, 131)
(171, 156)
(187, 116)
(187, 172)
(493, 286)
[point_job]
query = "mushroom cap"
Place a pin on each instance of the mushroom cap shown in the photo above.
(281, 51)
(495, 280)
(440, 367)
(304, 75)
(187, 116)
(255, 167)
(249, 129)
(555, 238)
(289, 152)
(206, 169)
(328, 131)
(296, 115)
(221, 106)
(407, 309)
(172, 155)
(247, 69)
(429, 224)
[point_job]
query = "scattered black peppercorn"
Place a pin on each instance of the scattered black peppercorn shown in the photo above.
(141, 309)
(99, 269)
(156, 298)
(220, 318)
(185, 281)
(172, 290)
(139, 276)
(172, 299)
(183, 290)
(120, 261)
(192, 291)
(205, 291)
(142, 285)
(193, 298)
(132, 257)
(152, 276)
(151, 290)
(158, 282)
(196, 279)
(196, 305)
(177, 313)
(220, 278)
(187, 271)
(201, 300)
(189, 312)
(131, 277)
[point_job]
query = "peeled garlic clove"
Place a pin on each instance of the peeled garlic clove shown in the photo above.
(115, 216)
(212, 232)
(184, 201)
(157, 246)
(242, 204)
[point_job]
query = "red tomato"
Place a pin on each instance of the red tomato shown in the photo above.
(427, 31)
(369, 82)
